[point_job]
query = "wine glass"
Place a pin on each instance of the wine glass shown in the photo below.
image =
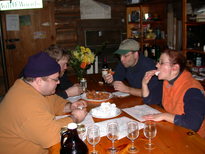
(81, 129)
(112, 134)
(132, 134)
(93, 136)
(150, 131)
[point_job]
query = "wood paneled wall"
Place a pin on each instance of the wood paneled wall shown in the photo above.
(67, 17)
(70, 28)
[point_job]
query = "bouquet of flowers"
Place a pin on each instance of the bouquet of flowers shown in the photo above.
(80, 60)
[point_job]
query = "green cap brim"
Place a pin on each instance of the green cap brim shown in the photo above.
(121, 52)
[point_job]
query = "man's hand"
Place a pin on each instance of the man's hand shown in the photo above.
(78, 105)
(78, 111)
(108, 78)
(79, 115)
(120, 86)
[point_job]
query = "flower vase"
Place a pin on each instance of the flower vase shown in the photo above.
(80, 73)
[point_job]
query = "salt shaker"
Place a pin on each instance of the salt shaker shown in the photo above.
(83, 83)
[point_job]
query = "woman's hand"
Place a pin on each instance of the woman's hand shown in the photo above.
(154, 117)
(145, 81)
(160, 116)
(75, 90)
(148, 76)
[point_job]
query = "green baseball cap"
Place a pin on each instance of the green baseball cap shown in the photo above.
(127, 46)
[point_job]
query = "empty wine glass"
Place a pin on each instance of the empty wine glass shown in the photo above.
(93, 136)
(132, 134)
(150, 131)
(112, 134)
(81, 131)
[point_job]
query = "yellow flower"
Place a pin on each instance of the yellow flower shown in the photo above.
(82, 48)
(81, 55)
(76, 54)
(80, 59)
(88, 50)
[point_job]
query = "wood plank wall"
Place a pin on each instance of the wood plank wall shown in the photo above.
(70, 28)
(67, 17)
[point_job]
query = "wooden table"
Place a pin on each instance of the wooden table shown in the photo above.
(170, 138)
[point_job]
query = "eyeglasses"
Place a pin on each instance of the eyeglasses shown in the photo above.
(56, 80)
(161, 63)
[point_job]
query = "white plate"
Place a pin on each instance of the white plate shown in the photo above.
(120, 94)
(74, 98)
(93, 100)
(118, 112)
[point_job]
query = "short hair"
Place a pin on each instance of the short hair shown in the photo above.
(57, 52)
(31, 79)
(28, 79)
(176, 57)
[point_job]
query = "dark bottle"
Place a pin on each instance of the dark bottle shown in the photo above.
(157, 53)
(153, 52)
(194, 55)
(71, 143)
(105, 65)
(198, 60)
(158, 33)
(146, 50)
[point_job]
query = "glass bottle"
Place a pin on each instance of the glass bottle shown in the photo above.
(157, 53)
(198, 60)
(153, 51)
(146, 50)
(71, 143)
(105, 67)
(83, 84)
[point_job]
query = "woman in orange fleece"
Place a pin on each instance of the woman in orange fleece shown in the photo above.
(183, 97)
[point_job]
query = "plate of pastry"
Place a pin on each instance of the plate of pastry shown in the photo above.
(97, 96)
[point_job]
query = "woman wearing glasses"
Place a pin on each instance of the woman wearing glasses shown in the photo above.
(65, 89)
(183, 97)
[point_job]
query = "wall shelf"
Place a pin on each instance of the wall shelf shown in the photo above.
(143, 17)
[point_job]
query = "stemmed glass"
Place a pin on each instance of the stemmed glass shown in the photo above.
(81, 131)
(93, 136)
(150, 131)
(132, 134)
(112, 134)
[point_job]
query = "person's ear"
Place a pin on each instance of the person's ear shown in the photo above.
(136, 54)
(38, 80)
(176, 67)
